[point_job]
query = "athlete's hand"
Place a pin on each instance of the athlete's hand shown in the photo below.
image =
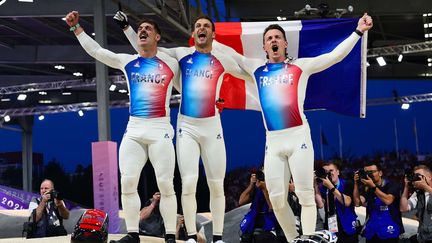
(72, 18)
(365, 23)
(220, 104)
(121, 19)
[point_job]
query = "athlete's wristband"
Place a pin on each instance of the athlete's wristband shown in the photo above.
(333, 189)
(373, 189)
(73, 28)
(358, 32)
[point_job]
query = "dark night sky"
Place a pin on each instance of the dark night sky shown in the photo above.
(68, 137)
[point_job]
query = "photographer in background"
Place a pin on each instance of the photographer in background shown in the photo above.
(334, 194)
(151, 222)
(259, 224)
(49, 211)
(421, 182)
(381, 199)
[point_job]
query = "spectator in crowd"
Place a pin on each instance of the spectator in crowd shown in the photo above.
(182, 231)
(152, 224)
(260, 220)
(48, 210)
(421, 182)
(294, 203)
(334, 194)
(381, 199)
(151, 221)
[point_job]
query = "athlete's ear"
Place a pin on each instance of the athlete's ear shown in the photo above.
(214, 35)
(158, 37)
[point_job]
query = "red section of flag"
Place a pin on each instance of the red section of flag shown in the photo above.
(233, 90)
(229, 34)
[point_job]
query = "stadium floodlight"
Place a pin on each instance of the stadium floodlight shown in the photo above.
(405, 106)
(400, 57)
(381, 61)
(77, 74)
(112, 87)
(22, 97)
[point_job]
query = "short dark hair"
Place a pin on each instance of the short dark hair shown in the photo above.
(204, 17)
(152, 22)
(370, 163)
(274, 27)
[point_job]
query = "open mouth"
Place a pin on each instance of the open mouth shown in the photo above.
(143, 36)
(275, 48)
(201, 36)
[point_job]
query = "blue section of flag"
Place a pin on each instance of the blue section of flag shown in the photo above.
(338, 87)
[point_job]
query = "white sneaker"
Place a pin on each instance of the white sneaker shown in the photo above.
(190, 241)
(219, 241)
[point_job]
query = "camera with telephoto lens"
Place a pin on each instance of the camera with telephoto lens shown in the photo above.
(260, 176)
(55, 195)
(321, 174)
(412, 177)
(363, 174)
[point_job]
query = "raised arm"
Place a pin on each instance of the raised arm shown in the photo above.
(247, 64)
(404, 205)
(132, 36)
(91, 46)
(324, 61)
(245, 195)
(121, 19)
(358, 199)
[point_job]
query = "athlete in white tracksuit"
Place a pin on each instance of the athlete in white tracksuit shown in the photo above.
(150, 77)
(281, 87)
(199, 130)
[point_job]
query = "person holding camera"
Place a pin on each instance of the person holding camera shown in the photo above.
(381, 199)
(151, 222)
(260, 220)
(334, 194)
(421, 182)
(48, 211)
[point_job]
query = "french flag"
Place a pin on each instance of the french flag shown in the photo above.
(341, 88)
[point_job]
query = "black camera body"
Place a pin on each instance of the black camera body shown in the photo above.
(260, 175)
(55, 195)
(320, 173)
(363, 174)
(412, 177)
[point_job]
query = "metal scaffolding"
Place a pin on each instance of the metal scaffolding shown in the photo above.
(84, 106)
(57, 85)
(400, 100)
(400, 49)
(175, 100)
